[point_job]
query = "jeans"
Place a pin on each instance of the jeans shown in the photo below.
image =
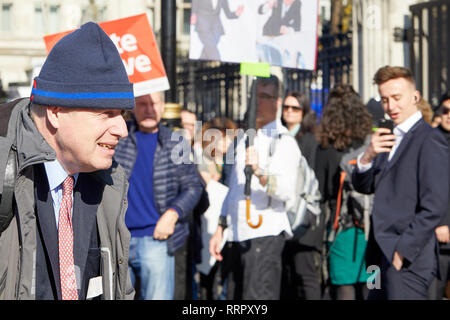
(150, 264)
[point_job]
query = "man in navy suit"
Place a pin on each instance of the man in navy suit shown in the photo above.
(405, 170)
(285, 17)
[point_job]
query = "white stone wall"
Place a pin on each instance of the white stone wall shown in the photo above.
(373, 40)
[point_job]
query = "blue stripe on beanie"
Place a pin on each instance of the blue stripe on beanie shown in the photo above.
(84, 69)
(83, 95)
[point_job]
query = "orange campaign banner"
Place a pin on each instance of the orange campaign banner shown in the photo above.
(138, 49)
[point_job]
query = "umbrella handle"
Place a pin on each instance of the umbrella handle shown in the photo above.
(249, 221)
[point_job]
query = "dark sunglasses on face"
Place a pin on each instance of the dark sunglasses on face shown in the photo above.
(445, 111)
(294, 108)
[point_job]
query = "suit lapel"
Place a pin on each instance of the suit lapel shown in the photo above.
(47, 222)
(407, 139)
(381, 164)
(87, 197)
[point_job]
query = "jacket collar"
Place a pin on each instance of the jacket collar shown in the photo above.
(404, 143)
(31, 145)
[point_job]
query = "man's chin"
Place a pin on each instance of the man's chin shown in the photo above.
(148, 126)
(104, 164)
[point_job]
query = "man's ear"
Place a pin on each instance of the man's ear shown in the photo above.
(53, 117)
(416, 96)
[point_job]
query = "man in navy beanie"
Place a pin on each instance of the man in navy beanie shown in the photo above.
(63, 197)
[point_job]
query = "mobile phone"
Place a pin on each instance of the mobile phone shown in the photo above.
(386, 123)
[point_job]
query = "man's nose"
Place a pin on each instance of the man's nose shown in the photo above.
(119, 127)
(150, 108)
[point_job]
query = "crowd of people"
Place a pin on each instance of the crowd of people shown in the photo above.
(96, 207)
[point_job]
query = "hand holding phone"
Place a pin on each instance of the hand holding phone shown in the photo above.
(387, 124)
(380, 143)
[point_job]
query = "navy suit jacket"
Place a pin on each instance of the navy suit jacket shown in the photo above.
(87, 196)
(411, 197)
(208, 18)
(292, 18)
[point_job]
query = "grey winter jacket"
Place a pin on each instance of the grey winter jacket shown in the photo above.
(18, 241)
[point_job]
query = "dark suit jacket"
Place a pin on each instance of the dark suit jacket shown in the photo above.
(446, 220)
(87, 196)
(411, 197)
(208, 18)
(292, 18)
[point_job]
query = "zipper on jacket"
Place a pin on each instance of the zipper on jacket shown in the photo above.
(19, 267)
(116, 274)
(3, 282)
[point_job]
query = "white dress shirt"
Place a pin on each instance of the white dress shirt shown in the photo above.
(399, 131)
(269, 201)
(56, 176)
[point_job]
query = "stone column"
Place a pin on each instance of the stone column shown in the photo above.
(374, 22)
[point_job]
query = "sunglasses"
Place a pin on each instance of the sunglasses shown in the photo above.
(445, 111)
(294, 108)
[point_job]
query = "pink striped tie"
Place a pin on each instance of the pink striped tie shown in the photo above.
(65, 237)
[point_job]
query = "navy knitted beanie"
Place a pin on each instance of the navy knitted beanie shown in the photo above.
(84, 70)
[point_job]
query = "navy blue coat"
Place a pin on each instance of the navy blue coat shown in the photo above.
(411, 197)
(87, 197)
(174, 185)
(292, 18)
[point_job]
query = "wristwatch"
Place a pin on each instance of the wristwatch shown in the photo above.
(223, 222)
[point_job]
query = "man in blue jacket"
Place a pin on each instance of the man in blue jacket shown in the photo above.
(161, 196)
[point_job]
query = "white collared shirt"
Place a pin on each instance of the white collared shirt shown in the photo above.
(283, 165)
(56, 176)
(399, 131)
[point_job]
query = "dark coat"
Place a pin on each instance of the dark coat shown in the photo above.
(292, 18)
(308, 146)
(208, 18)
(411, 198)
(174, 185)
(446, 220)
(86, 251)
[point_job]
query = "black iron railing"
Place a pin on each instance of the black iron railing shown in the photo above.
(429, 41)
(212, 89)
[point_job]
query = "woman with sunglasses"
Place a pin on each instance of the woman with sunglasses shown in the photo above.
(300, 120)
(302, 256)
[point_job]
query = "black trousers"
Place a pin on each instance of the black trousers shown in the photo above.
(400, 285)
(209, 41)
(437, 287)
(256, 269)
(183, 274)
(301, 272)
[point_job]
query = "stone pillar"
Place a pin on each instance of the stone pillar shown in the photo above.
(374, 22)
